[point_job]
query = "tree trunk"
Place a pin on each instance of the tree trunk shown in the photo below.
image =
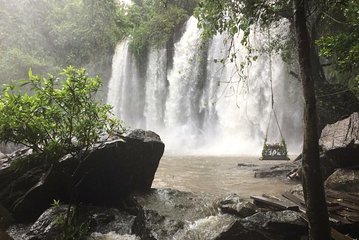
(313, 188)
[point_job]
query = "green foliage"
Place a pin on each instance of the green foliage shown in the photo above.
(55, 203)
(340, 42)
(151, 23)
(72, 227)
(232, 16)
(59, 116)
(48, 35)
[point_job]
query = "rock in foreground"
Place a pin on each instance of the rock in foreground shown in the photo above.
(113, 169)
(166, 214)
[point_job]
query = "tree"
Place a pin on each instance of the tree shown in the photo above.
(58, 116)
(151, 23)
(339, 42)
(48, 35)
(313, 188)
(232, 16)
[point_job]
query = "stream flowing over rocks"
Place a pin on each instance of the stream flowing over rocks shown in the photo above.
(117, 201)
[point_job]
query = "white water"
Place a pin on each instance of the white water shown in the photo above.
(194, 108)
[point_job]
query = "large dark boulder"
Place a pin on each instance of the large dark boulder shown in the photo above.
(340, 141)
(113, 169)
(346, 180)
(5, 218)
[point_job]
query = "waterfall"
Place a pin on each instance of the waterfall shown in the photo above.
(199, 105)
(125, 86)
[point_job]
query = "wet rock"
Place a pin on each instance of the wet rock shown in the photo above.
(238, 231)
(110, 220)
(113, 170)
(260, 226)
(18, 231)
(47, 226)
(209, 228)
(95, 220)
(340, 141)
(326, 168)
(346, 180)
(5, 218)
(234, 205)
(276, 225)
(164, 212)
(280, 170)
(5, 236)
(248, 165)
(113, 236)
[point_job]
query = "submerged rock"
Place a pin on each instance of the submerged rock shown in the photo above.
(113, 169)
(280, 170)
(340, 141)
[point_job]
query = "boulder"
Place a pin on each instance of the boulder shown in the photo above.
(234, 205)
(5, 218)
(162, 213)
(280, 170)
(113, 169)
(346, 180)
(340, 141)
(276, 225)
(94, 220)
(326, 168)
(260, 226)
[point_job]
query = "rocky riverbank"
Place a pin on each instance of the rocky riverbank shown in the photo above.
(115, 200)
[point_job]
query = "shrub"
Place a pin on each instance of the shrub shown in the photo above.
(57, 115)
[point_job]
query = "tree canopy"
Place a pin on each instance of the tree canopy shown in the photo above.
(50, 35)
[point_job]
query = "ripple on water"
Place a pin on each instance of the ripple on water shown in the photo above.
(217, 175)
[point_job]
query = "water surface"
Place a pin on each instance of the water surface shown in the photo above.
(218, 175)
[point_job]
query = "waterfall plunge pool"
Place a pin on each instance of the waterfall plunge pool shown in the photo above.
(218, 175)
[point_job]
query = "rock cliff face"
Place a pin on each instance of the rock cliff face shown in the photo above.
(113, 169)
(340, 141)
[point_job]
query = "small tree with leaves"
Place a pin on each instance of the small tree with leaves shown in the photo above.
(59, 115)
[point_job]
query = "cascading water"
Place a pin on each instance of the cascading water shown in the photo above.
(199, 105)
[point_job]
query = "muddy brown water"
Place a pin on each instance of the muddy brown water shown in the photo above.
(218, 175)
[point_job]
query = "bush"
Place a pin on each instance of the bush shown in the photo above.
(59, 115)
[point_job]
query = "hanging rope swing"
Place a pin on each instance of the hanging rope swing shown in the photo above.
(273, 151)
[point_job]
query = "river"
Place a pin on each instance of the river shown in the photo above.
(217, 175)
